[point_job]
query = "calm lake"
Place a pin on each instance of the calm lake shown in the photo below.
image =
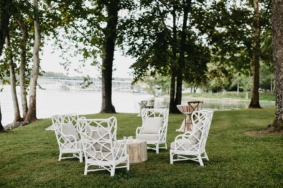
(53, 101)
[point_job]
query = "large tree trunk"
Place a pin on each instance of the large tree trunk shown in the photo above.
(4, 22)
(107, 62)
(277, 45)
(172, 104)
(23, 67)
(255, 64)
(1, 126)
(17, 116)
(181, 59)
(31, 114)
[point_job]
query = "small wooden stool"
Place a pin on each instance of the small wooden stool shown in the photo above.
(137, 150)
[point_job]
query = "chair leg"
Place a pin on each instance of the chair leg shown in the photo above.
(157, 148)
(171, 158)
(60, 156)
(85, 172)
(112, 172)
(128, 164)
(200, 160)
(81, 157)
(205, 156)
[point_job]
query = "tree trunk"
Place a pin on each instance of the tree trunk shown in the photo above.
(31, 114)
(1, 126)
(172, 104)
(5, 17)
(277, 45)
(107, 61)
(17, 116)
(255, 64)
(23, 67)
(181, 58)
(178, 97)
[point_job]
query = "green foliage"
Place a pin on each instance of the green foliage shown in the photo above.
(235, 158)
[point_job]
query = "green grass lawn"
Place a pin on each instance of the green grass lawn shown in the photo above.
(29, 156)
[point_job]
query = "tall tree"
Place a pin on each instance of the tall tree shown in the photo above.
(31, 114)
(255, 56)
(110, 35)
(93, 25)
(13, 80)
(277, 45)
(163, 41)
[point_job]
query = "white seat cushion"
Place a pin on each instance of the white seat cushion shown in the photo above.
(148, 137)
(151, 125)
(183, 144)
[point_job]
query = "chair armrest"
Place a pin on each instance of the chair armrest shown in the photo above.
(120, 148)
(69, 137)
(138, 130)
(183, 136)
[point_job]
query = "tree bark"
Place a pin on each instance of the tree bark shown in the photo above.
(277, 45)
(5, 17)
(31, 114)
(17, 116)
(23, 67)
(255, 64)
(172, 104)
(110, 33)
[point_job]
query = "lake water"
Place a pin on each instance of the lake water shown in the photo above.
(53, 101)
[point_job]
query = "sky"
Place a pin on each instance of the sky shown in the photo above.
(50, 63)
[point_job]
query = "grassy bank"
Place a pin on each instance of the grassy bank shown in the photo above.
(232, 95)
(29, 157)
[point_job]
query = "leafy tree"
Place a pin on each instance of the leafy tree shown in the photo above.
(162, 39)
(233, 32)
(93, 27)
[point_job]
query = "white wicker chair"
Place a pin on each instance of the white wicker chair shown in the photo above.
(191, 145)
(67, 136)
(100, 146)
(154, 128)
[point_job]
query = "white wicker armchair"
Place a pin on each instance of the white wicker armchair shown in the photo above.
(101, 149)
(67, 136)
(191, 145)
(154, 128)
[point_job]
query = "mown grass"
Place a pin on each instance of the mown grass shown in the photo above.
(29, 157)
(232, 95)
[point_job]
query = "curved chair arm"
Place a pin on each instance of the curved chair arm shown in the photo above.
(182, 136)
(120, 148)
(138, 130)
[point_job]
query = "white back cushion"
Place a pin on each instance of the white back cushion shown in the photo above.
(196, 134)
(69, 129)
(151, 125)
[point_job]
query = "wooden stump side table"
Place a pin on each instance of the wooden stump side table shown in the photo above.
(137, 150)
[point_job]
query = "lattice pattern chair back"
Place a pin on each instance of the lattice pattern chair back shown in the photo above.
(65, 128)
(154, 128)
(191, 145)
(100, 146)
